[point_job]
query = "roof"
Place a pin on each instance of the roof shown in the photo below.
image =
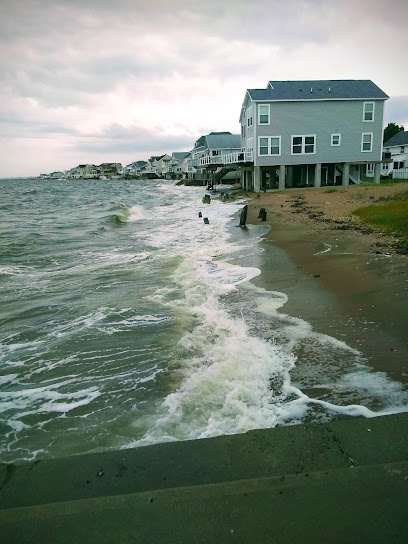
(319, 90)
(399, 139)
(180, 155)
(199, 142)
(223, 140)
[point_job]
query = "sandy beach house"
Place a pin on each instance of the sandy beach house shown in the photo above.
(311, 133)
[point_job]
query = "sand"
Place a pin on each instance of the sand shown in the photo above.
(360, 267)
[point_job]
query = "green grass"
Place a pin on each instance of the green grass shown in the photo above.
(331, 190)
(390, 217)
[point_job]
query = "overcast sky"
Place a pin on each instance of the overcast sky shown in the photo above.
(116, 81)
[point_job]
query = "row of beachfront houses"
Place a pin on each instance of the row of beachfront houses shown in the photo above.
(298, 134)
(293, 134)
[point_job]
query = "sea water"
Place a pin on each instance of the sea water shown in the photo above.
(126, 321)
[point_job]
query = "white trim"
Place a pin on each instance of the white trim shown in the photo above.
(364, 112)
(371, 142)
(333, 144)
(303, 136)
(269, 116)
(269, 138)
(316, 99)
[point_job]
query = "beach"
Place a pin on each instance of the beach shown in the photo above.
(363, 269)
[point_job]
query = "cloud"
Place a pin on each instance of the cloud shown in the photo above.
(123, 140)
(135, 77)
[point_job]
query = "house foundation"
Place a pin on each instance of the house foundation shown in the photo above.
(264, 178)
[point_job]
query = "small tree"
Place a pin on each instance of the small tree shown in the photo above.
(391, 130)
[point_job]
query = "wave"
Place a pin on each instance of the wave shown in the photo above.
(124, 214)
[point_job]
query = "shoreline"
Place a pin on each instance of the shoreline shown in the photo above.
(360, 267)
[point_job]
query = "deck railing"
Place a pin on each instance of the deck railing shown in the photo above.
(238, 156)
(231, 158)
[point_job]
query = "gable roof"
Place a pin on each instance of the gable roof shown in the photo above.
(179, 155)
(319, 90)
(199, 142)
(223, 140)
(399, 139)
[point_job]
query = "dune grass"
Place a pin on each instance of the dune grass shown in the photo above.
(390, 217)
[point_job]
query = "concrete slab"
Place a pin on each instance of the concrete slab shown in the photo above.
(353, 505)
(344, 481)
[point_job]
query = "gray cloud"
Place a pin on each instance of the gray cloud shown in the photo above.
(118, 139)
(74, 66)
(396, 111)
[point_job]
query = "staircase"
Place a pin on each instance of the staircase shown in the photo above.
(224, 170)
(354, 174)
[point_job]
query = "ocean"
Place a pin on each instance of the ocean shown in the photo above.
(126, 321)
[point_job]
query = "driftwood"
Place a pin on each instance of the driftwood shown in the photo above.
(206, 199)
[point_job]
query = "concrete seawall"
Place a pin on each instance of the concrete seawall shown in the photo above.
(344, 481)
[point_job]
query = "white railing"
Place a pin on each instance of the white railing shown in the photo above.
(216, 159)
(238, 156)
(231, 158)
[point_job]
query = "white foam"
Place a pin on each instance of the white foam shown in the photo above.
(137, 213)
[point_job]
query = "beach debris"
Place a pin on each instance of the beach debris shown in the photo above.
(261, 212)
(200, 214)
(206, 199)
(206, 221)
(243, 216)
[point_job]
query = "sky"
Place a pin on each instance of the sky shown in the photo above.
(86, 81)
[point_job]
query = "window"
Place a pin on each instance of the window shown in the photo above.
(215, 152)
(370, 168)
(249, 144)
(243, 131)
(398, 164)
(368, 114)
(366, 142)
(250, 117)
(335, 139)
(269, 145)
(402, 149)
(263, 114)
(304, 145)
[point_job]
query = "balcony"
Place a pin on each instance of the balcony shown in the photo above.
(232, 158)
(238, 157)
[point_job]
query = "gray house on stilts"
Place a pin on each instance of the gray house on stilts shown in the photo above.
(310, 133)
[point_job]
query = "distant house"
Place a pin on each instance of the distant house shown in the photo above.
(134, 168)
(111, 170)
(311, 133)
(151, 166)
(178, 164)
(162, 164)
(218, 151)
(85, 171)
(396, 150)
(217, 145)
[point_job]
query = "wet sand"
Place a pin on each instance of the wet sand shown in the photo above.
(361, 271)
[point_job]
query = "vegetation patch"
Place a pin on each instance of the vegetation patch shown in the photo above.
(390, 217)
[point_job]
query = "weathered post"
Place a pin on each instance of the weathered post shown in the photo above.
(206, 221)
(243, 217)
